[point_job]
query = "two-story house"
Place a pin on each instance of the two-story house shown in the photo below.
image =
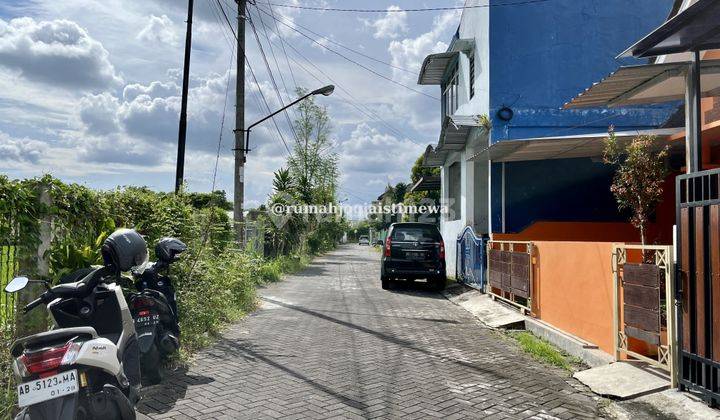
(511, 159)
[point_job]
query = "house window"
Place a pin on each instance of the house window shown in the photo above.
(450, 94)
(454, 191)
(472, 74)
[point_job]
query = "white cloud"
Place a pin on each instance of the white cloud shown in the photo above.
(57, 52)
(392, 25)
(409, 52)
(155, 89)
(159, 29)
(14, 150)
(99, 113)
(367, 150)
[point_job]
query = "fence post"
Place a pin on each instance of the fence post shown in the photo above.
(40, 269)
(616, 304)
(43, 262)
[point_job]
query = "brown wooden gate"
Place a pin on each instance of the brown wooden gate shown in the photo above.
(698, 282)
(642, 288)
(510, 272)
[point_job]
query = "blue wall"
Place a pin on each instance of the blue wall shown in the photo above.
(544, 54)
(541, 56)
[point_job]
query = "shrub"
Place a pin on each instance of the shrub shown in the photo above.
(213, 289)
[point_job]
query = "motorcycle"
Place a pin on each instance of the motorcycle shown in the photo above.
(87, 366)
(154, 310)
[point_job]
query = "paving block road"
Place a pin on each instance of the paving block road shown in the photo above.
(330, 343)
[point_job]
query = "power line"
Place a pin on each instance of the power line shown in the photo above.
(353, 61)
(272, 52)
(272, 77)
(343, 46)
(222, 122)
(353, 101)
(428, 9)
(282, 44)
(252, 72)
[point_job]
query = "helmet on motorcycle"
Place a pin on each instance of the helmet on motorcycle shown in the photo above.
(168, 249)
(125, 250)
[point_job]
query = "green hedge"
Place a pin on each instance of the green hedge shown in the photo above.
(215, 282)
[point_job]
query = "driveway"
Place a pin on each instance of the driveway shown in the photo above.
(330, 343)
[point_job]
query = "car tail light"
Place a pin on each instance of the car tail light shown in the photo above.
(388, 243)
(51, 359)
(442, 249)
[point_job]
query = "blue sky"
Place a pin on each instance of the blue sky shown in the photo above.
(89, 90)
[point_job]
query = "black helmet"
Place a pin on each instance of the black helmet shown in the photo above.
(168, 249)
(125, 250)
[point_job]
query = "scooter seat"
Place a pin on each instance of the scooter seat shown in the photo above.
(51, 337)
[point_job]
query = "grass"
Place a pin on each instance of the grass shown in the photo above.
(543, 351)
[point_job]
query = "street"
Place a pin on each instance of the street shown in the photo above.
(330, 343)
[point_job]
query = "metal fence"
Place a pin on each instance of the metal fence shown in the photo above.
(254, 237)
(471, 259)
(698, 282)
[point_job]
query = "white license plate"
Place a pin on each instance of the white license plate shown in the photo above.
(143, 321)
(44, 389)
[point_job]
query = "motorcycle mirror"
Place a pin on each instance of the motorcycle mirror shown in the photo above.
(18, 283)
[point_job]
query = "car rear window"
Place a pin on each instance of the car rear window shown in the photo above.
(415, 233)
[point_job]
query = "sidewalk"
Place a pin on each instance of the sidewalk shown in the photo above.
(664, 404)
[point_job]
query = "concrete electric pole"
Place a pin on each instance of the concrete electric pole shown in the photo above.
(182, 131)
(239, 194)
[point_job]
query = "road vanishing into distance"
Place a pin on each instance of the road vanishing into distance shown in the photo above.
(330, 343)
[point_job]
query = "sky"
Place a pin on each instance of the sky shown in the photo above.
(90, 90)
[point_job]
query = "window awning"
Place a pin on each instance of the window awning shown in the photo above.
(648, 83)
(567, 147)
(434, 67)
(696, 28)
(455, 131)
(433, 158)
(453, 137)
(427, 183)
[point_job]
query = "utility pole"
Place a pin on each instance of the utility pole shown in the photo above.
(239, 194)
(182, 131)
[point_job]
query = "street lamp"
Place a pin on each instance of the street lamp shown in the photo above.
(325, 91)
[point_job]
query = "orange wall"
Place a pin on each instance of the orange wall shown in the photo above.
(573, 284)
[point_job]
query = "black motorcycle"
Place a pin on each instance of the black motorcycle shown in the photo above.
(154, 310)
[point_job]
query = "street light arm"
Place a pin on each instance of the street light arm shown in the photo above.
(325, 91)
(278, 111)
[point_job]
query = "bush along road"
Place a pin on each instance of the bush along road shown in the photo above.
(215, 281)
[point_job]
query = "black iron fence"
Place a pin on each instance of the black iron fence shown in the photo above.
(698, 282)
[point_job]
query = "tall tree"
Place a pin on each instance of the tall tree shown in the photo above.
(312, 163)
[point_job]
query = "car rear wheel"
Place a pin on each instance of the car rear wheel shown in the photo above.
(385, 282)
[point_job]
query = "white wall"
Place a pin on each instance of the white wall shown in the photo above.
(474, 186)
